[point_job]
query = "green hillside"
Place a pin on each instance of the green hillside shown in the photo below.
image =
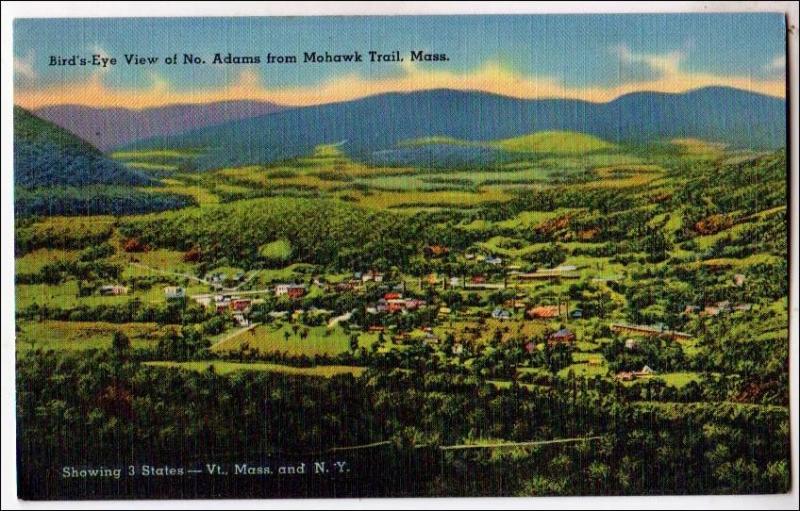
(554, 142)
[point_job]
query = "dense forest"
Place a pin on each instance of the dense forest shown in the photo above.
(91, 406)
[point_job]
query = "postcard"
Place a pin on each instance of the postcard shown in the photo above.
(401, 256)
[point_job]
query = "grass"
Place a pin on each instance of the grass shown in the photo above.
(530, 219)
(225, 367)
(698, 147)
(585, 370)
(33, 261)
(278, 250)
(160, 259)
(65, 295)
(83, 335)
(510, 330)
(271, 338)
(677, 379)
(530, 175)
(382, 200)
(198, 193)
(149, 154)
(145, 165)
(69, 230)
(439, 140)
(554, 142)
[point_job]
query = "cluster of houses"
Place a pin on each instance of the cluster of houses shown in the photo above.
(394, 303)
(220, 279)
(488, 259)
(723, 307)
(561, 337)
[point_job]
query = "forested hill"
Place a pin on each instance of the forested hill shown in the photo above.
(46, 155)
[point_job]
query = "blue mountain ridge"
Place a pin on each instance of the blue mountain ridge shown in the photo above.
(47, 155)
(372, 127)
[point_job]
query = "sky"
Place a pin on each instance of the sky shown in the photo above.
(591, 57)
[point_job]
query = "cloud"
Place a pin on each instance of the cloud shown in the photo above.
(664, 64)
(491, 77)
(23, 67)
(96, 49)
(778, 64)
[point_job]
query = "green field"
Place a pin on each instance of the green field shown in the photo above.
(83, 335)
(225, 367)
(272, 338)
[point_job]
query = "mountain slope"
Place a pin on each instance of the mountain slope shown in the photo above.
(110, 127)
(377, 124)
(47, 155)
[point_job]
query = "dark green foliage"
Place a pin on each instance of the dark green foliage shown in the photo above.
(104, 410)
(321, 231)
(660, 354)
(94, 200)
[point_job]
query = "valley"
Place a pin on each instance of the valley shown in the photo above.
(497, 294)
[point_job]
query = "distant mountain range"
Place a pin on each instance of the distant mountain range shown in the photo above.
(378, 126)
(106, 128)
(47, 155)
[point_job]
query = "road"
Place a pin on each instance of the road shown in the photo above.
(233, 335)
(165, 272)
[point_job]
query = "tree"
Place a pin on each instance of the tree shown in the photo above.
(120, 342)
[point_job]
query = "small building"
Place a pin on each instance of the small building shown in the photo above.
(241, 304)
(393, 306)
(343, 287)
(455, 281)
(501, 314)
(222, 305)
(478, 279)
(435, 251)
(567, 267)
(414, 304)
(370, 276)
(739, 279)
(563, 336)
(392, 296)
(631, 344)
(296, 292)
(291, 290)
(494, 261)
(174, 293)
(113, 290)
(544, 312)
(576, 314)
(240, 319)
(624, 376)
